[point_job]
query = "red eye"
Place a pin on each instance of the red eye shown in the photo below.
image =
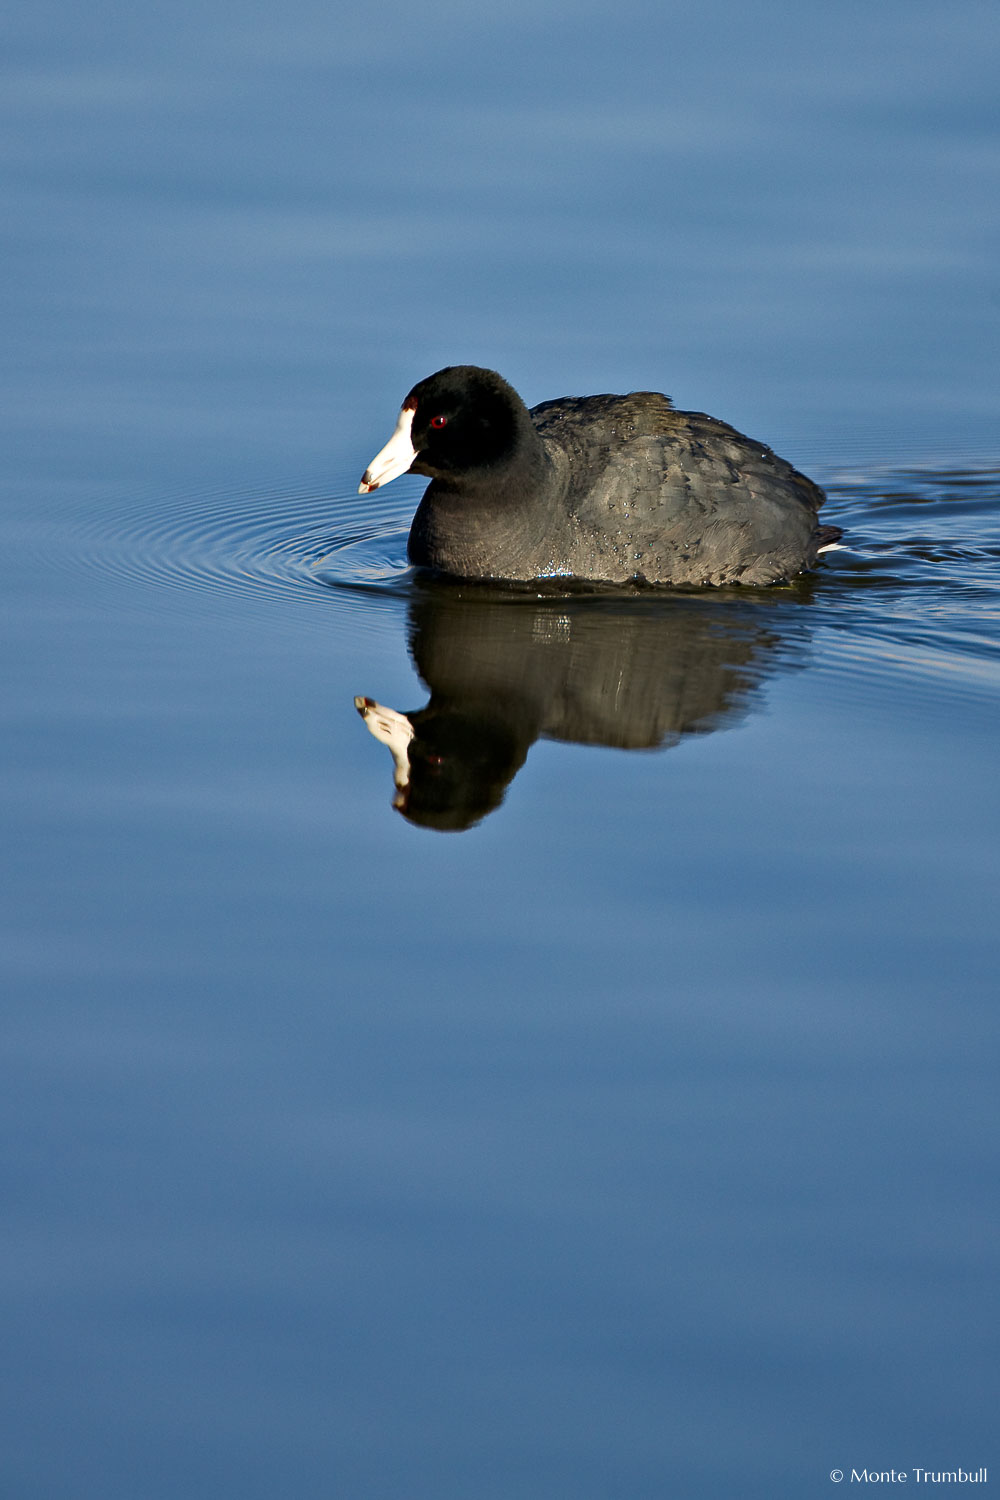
(439, 421)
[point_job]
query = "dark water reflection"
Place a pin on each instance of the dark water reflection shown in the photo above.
(633, 674)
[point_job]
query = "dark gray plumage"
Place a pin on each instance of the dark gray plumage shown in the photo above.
(613, 489)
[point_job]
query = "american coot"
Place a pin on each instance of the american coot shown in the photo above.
(612, 489)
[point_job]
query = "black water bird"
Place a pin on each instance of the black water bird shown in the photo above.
(608, 489)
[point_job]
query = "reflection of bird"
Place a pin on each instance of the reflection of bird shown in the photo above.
(605, 488)
(634, 673)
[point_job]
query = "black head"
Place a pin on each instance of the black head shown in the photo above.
(464, 419)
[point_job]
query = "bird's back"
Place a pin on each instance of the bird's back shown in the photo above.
(675, 496)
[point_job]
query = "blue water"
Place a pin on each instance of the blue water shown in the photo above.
(631, 1130)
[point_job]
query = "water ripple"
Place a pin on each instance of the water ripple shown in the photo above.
(258, 544)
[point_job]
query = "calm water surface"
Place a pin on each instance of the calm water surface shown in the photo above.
(618, 1117)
